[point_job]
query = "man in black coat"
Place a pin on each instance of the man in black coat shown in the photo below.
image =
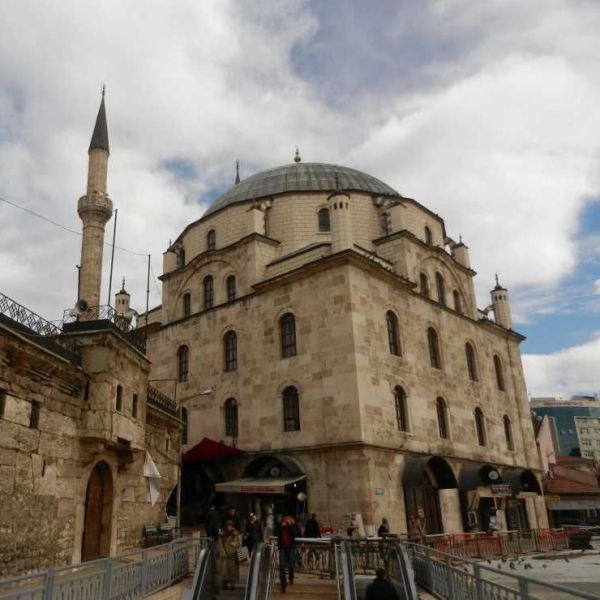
(312, 529)
(381, 588)
(212, 523)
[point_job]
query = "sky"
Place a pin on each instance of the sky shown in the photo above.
(487, 113)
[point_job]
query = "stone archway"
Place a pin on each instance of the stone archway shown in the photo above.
(97, 522)
(431, 494)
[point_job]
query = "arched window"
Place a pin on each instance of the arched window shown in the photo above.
(479, 426)
(182, 364)
(499, 373)
(230, 345)
(457, 303)
(471, 364)
(434, 348)
(424, 284)
(231, 418)
(401, 408)
(209, 291)
(428, 236)
(291, 409)
(442, 418)
(231, 288)
(180, 258)
(441, 290)
(184, 429)
(323, 219)
(287, 326)
(393, 336)
(211, 239)
(508, 435)
(384, 224)
(187, 304)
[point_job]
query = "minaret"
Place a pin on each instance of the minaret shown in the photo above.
(122, 299)
(340, 218)
(95, 209)
(501, 304)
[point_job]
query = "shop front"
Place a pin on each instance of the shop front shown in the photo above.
(272, 486)
(509, 495)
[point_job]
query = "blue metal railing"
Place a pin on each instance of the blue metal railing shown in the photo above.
(125, 577)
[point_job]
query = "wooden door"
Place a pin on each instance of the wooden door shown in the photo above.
(92, 526)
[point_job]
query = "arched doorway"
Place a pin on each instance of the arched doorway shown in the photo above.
(423, 478)
(98, 514)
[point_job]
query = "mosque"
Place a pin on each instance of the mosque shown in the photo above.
(329, 356)
(318, 349)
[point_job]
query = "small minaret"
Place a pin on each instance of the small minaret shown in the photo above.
(501, 305)
(122, 299)
(460, 253)
(340, 218)
(95, 209)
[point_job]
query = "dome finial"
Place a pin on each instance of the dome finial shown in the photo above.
(123, 285)
(297, 157)
(460, 238)
(237, 172)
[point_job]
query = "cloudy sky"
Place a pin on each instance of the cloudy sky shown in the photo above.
(486, 112)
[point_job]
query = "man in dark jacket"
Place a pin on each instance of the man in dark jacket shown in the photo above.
(312, 529)
(286, 542)
(212, 523)
(381, 588)
(254, 533)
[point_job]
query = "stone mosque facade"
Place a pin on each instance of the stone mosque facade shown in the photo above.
(329, 356)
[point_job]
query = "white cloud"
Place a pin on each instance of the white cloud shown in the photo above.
(566, 372)
(597, 286)
(500, 144)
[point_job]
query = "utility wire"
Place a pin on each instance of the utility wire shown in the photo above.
(80, 234)
(36, 214)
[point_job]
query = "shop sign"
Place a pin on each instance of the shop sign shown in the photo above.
(550, 499)
(379, 491)
(501, 489)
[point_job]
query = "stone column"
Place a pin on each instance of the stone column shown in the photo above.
(450, 509)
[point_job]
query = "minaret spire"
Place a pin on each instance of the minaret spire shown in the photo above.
(100, 136)
(95, 209)
(237, 172)
(297, 157)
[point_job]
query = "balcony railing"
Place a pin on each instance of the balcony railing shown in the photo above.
(104, 316)
(159, 400)
(22, 315)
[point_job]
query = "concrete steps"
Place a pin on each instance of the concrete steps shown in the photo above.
(307, 590)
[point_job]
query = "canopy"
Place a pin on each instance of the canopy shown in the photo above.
(257, 485)
(207, 450)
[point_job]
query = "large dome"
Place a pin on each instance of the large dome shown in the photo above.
(300, 177)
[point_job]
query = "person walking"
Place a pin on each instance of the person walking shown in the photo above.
(228, 566)
(311, 528)
(381, 588)
(254, 533)
(212, 523)
(416, 533)
(286, 542)
(233, 516)
(384, 528)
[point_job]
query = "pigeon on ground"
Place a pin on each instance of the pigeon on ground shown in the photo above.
(512, 565)
(566, 559)
(545, 565)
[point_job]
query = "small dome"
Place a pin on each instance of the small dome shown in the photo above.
(300, 177)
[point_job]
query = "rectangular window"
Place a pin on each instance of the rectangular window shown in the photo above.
(134, 406)
(2, 402)
(34, 418)
(119, 402)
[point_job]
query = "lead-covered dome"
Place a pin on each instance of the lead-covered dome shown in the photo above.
(300, 177)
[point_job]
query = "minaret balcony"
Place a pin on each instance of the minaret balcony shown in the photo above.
(96, 203)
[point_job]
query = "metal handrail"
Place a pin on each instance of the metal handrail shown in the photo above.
(449, 576)
(261, 573)
(204, 583)
(347, 571)
(22, 315)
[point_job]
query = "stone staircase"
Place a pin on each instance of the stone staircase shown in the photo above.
(306, 587)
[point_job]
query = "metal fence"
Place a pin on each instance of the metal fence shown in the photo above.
(502, 543)
(450, 577)
(125, 577)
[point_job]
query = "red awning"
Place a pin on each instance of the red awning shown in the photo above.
(208, 450)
